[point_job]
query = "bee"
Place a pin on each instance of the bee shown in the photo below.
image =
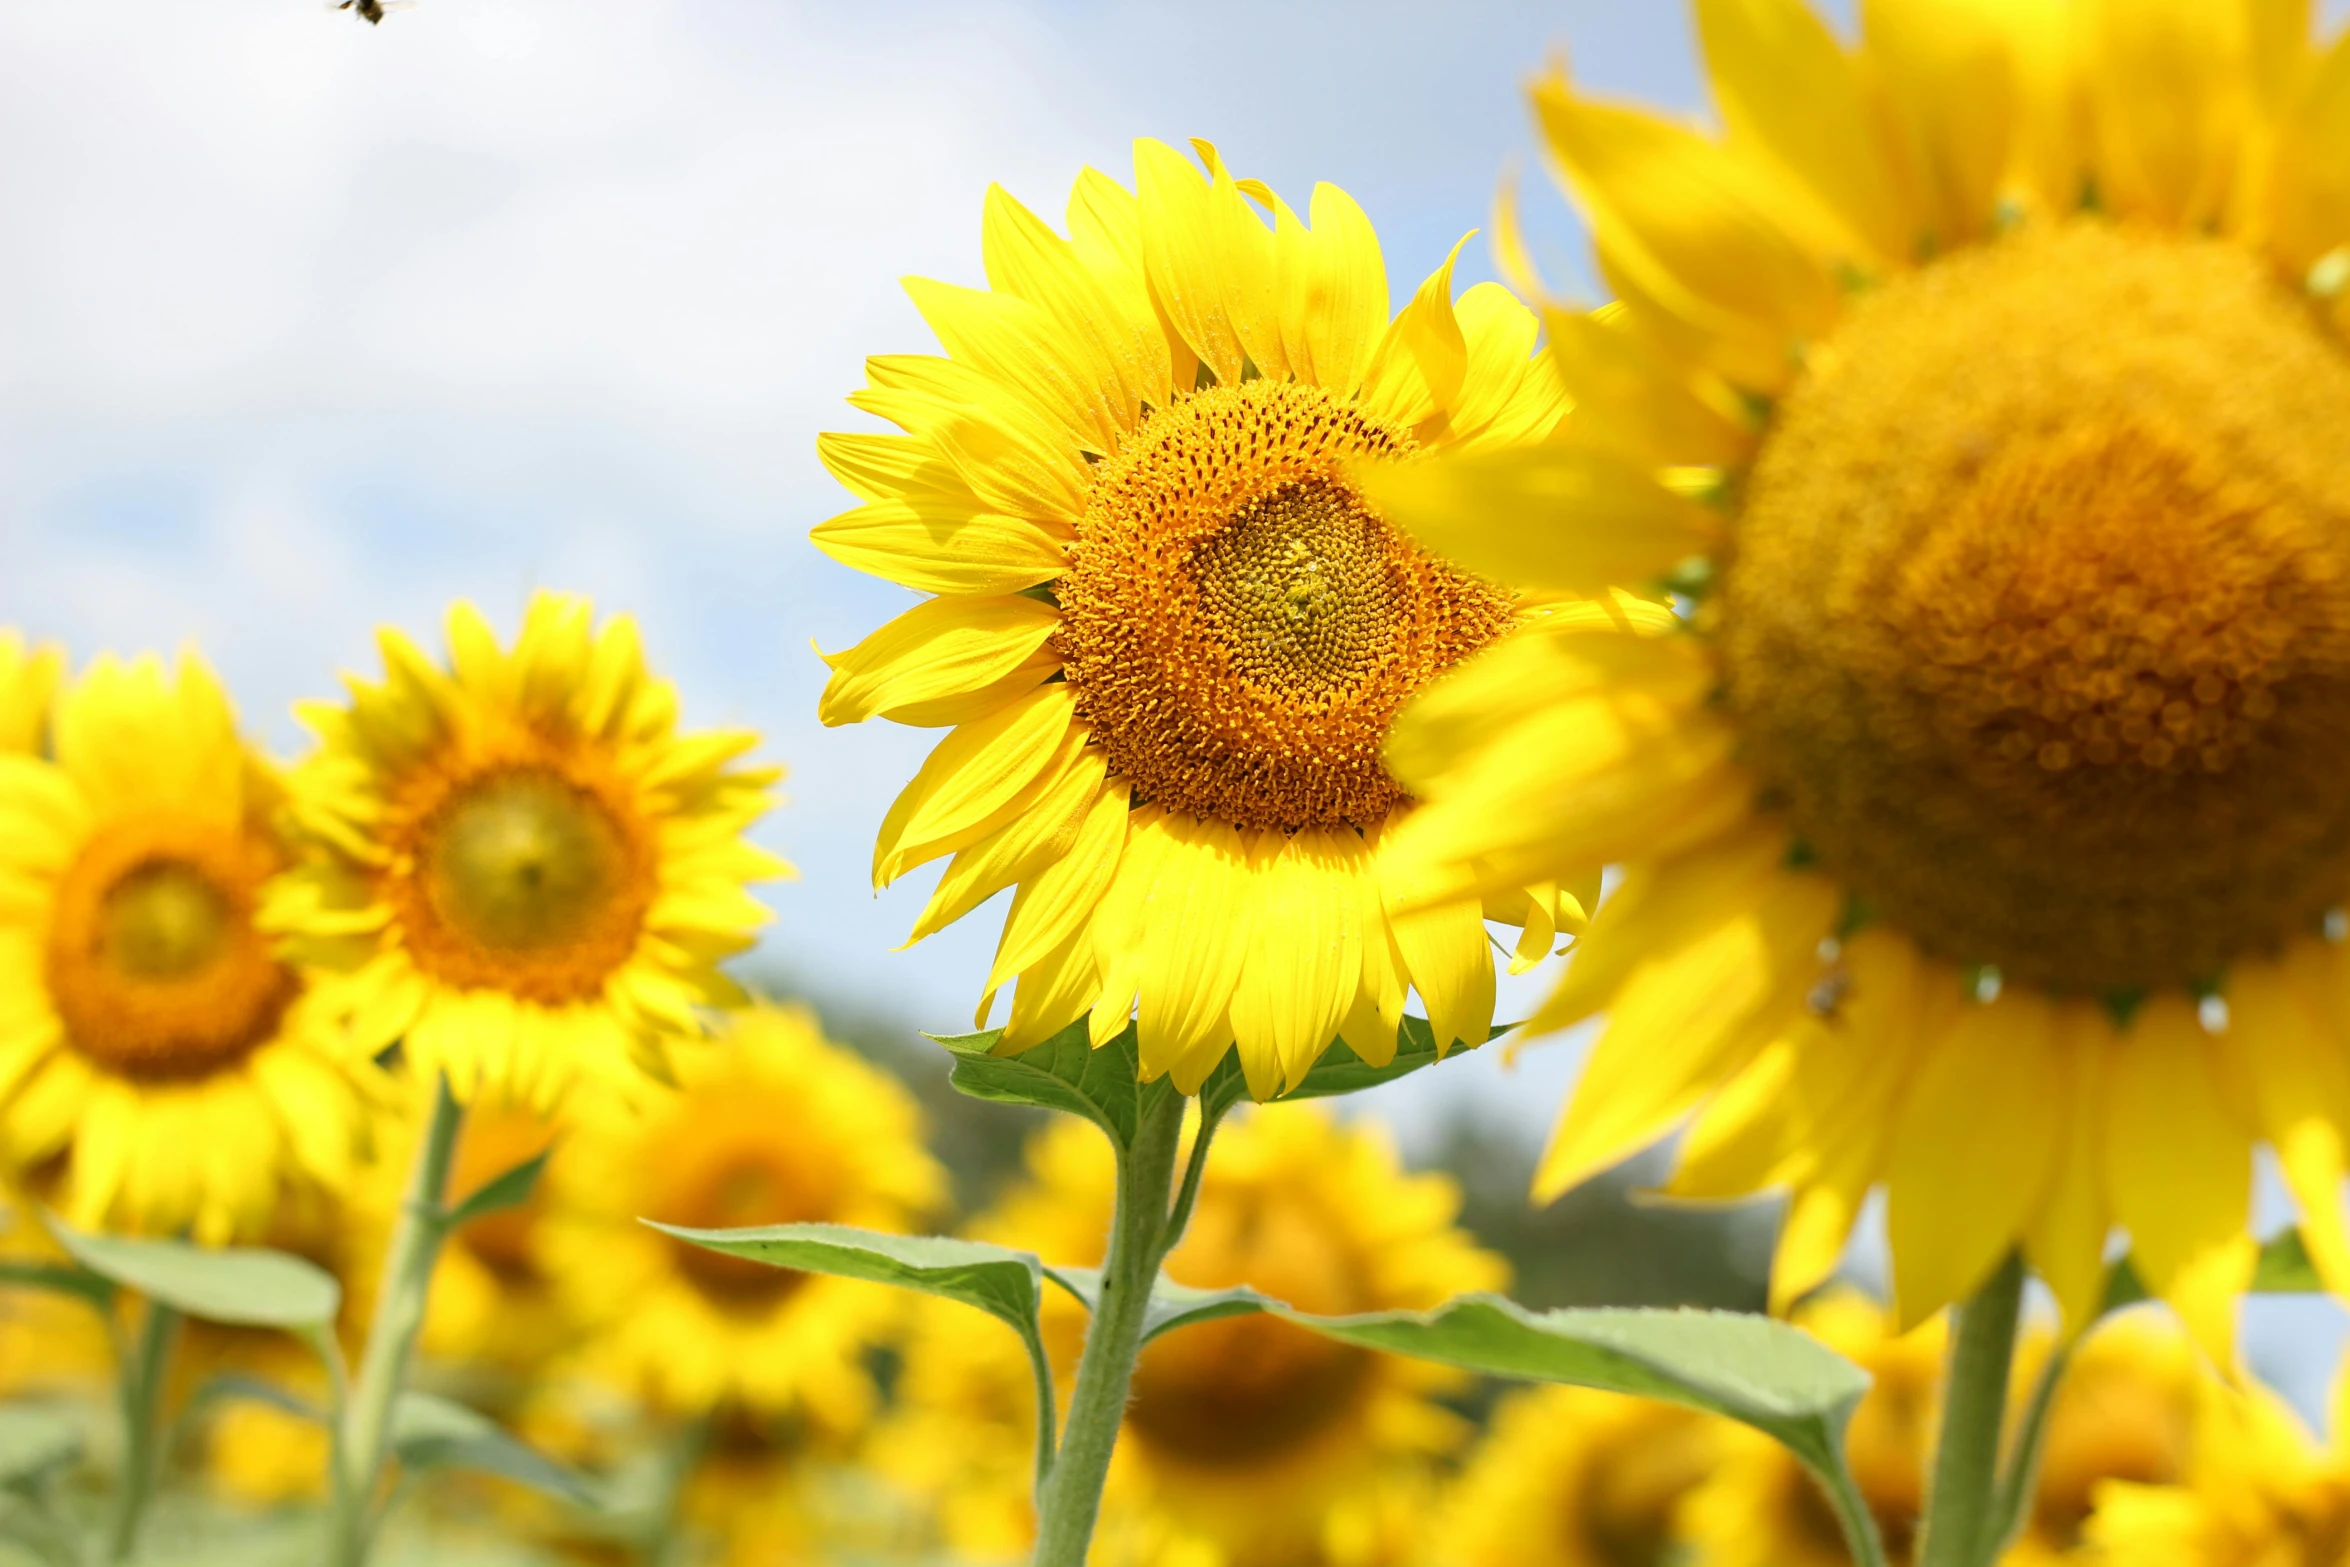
(372, 11)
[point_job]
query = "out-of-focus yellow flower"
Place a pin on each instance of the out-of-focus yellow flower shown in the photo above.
(522, 872)
(1977, 396)
(50, 1344)
(1169, 632)
(1761, 1508)
(772, 1124)
(169, 1067)
(1568, 1477)
(28, 685)
(2125, 1411)
(1248, 1441)
(2257, 1491)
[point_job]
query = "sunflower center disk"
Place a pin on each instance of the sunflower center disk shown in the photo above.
(526, 880)
(153, 959)
(1240, 626)
(1249, 1389)
(2040, 618)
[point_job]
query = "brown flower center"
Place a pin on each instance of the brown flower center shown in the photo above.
(1241, 626)
(2040, 615)
(153, 962)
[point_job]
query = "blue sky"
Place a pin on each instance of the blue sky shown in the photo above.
(307, 326)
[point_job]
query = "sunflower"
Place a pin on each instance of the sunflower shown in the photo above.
(28, 684)
(1568, 1477)
(523, 873)
(776, 1125)
(161, 1068)
(1248, 1440)
(2257, 1491)
(1762, 1508)
(1969, 414)
(1168, 633)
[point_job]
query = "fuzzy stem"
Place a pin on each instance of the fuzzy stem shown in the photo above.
(142, 1418)
(1960, 1529)
(391, 1338)
(1072, 1495)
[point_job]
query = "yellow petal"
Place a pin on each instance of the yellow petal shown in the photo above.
(2178, 1169)
(1121, 919)
(1690, 222)
(2310, 203)
(1564, 518)
(1738, 1141)
(1419, 364)
(1714, 964)
(1510, 395)
(1788, 89)
(1099, 305)
(1054, 992)
(1812, 1239)
(2285, 1039)
(1196, 930)
(2170, 94)
(2065, 1239)
(1445, 954)
(1950, 80)
(1973, 1149)
(1632, 400)
(944, 647)
(1211, 277)
(1029, 356)
(1298, 980)
(1008, 455)
(1034, 838)
(976, 777)
(1334, 292)
(1053, 902)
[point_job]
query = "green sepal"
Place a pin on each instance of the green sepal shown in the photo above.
(430, 1432)
(243, 1286)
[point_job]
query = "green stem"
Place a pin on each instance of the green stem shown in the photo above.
(1960, 1530)
(143, 1377)
(1072, 1496)
(2023, 1464)
(391, 1337)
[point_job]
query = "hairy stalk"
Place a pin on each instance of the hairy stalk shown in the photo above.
(1139, 1235)
(143, 1376)
(391, 1337)
(1960, 1528)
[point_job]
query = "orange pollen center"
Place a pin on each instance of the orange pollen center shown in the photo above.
(153, 962)
(1240, 626)
(2039, 623)
(527, 871)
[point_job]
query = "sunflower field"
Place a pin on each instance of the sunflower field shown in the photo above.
(1852, 656)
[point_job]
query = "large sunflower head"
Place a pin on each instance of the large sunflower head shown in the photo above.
(1568, 1477)
(1247, 1440)
(1168, 631)
(161, 1068)
(521, 871)
(1970, 736)
(775, 1125)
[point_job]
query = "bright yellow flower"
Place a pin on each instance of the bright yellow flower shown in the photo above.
(151, 1044)
(524, 874)
(1248, 1440)
(2125, 1411)
(1762, 1508)
(2258, 1491)
(1169, 634)
(1568, 1477)
(28, 686)
(1979, 395)
(774, 1125)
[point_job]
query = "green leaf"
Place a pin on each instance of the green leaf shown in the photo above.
(510, 1190)
(60, 1279)
(34, 1439)
(256, 1390)
(1751, 1369)
(429, 1432)
(1064, 1073)
(999, 1281)
(247, 1287)
(1172, 1305)
(2285, 1268)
